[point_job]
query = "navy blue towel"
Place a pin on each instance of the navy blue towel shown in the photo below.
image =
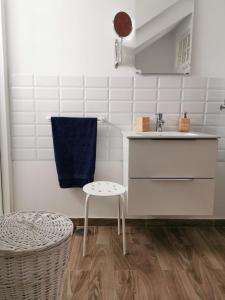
(74, 142)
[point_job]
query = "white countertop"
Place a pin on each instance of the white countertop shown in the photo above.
(168, 135)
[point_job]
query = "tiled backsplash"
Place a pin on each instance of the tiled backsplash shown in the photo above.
(119, 99)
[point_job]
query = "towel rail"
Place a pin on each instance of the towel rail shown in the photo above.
(100, 119)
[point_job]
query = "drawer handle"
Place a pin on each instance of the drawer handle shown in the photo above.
(172, 179)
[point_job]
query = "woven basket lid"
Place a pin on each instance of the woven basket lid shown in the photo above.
(32, 231)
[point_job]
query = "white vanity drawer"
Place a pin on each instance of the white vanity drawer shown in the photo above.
(172, 158)
(170, 197)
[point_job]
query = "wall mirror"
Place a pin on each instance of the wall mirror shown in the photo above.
(163, 36)
(123, 28)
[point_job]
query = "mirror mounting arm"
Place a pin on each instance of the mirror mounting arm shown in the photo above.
(118, 53)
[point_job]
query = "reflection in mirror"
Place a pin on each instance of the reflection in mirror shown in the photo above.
(164, 36)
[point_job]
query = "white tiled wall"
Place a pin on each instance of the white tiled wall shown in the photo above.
(119, 99)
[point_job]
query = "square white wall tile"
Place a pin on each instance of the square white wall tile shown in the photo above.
(96, 82)
(145, 82)
(72, 93)
(22, 105)
(171, 120)
(168, 107)
(194, 82)
(24, 154)
(170, 128)
(24, 142)
(45, 154)
(170, 82)
(196, 119)
(216, 95)
(22, 118)
(44, 142)
(171, 95)
(46, 93)
(23, 130)
(120, 106)
(214, 108)
(72, 81)
(72, 115)
(21, 93)
(140, 95)
(120, 119)
(219, 131)
(120, 94)
(145, 107)
(21, 80)
(44, 130)
(217, 120)
(216, 83)
(50, 106)
(96, 115)
(96, 94)
(194, 95)
(121, 82)
(96, 106)
(42, 117)
(47, 81)
(72, 106)
(193, 107)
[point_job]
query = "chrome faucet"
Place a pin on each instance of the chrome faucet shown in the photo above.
(159, 122)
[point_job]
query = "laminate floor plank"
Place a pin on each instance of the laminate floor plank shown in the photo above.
(77, 261)
(163, 263)
(203, 249)
(125, 285)
(165, 251)
(181, 247)
(101, 280)
(213, 237)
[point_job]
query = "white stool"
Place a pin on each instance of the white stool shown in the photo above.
(105, 189)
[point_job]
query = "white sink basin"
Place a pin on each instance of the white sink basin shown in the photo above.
(169, 135)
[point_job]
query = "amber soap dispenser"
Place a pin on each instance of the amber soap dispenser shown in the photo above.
(184, 123)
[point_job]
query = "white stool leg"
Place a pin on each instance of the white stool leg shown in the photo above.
(118, 211)
(123, 225)
(85, 225)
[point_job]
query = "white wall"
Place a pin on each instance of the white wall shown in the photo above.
(53, 37)
(47, 37)
(209, 42)
(63, 36)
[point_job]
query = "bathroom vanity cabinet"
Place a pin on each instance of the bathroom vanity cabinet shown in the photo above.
(169, 173)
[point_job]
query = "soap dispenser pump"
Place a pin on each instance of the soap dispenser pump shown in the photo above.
(184, 123)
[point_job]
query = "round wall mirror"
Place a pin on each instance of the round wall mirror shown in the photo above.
(122, 24)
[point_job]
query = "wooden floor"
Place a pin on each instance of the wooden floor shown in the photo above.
(169, 263)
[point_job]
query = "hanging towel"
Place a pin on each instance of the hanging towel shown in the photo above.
(74, 142)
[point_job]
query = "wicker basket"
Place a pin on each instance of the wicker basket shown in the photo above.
(34, 250)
